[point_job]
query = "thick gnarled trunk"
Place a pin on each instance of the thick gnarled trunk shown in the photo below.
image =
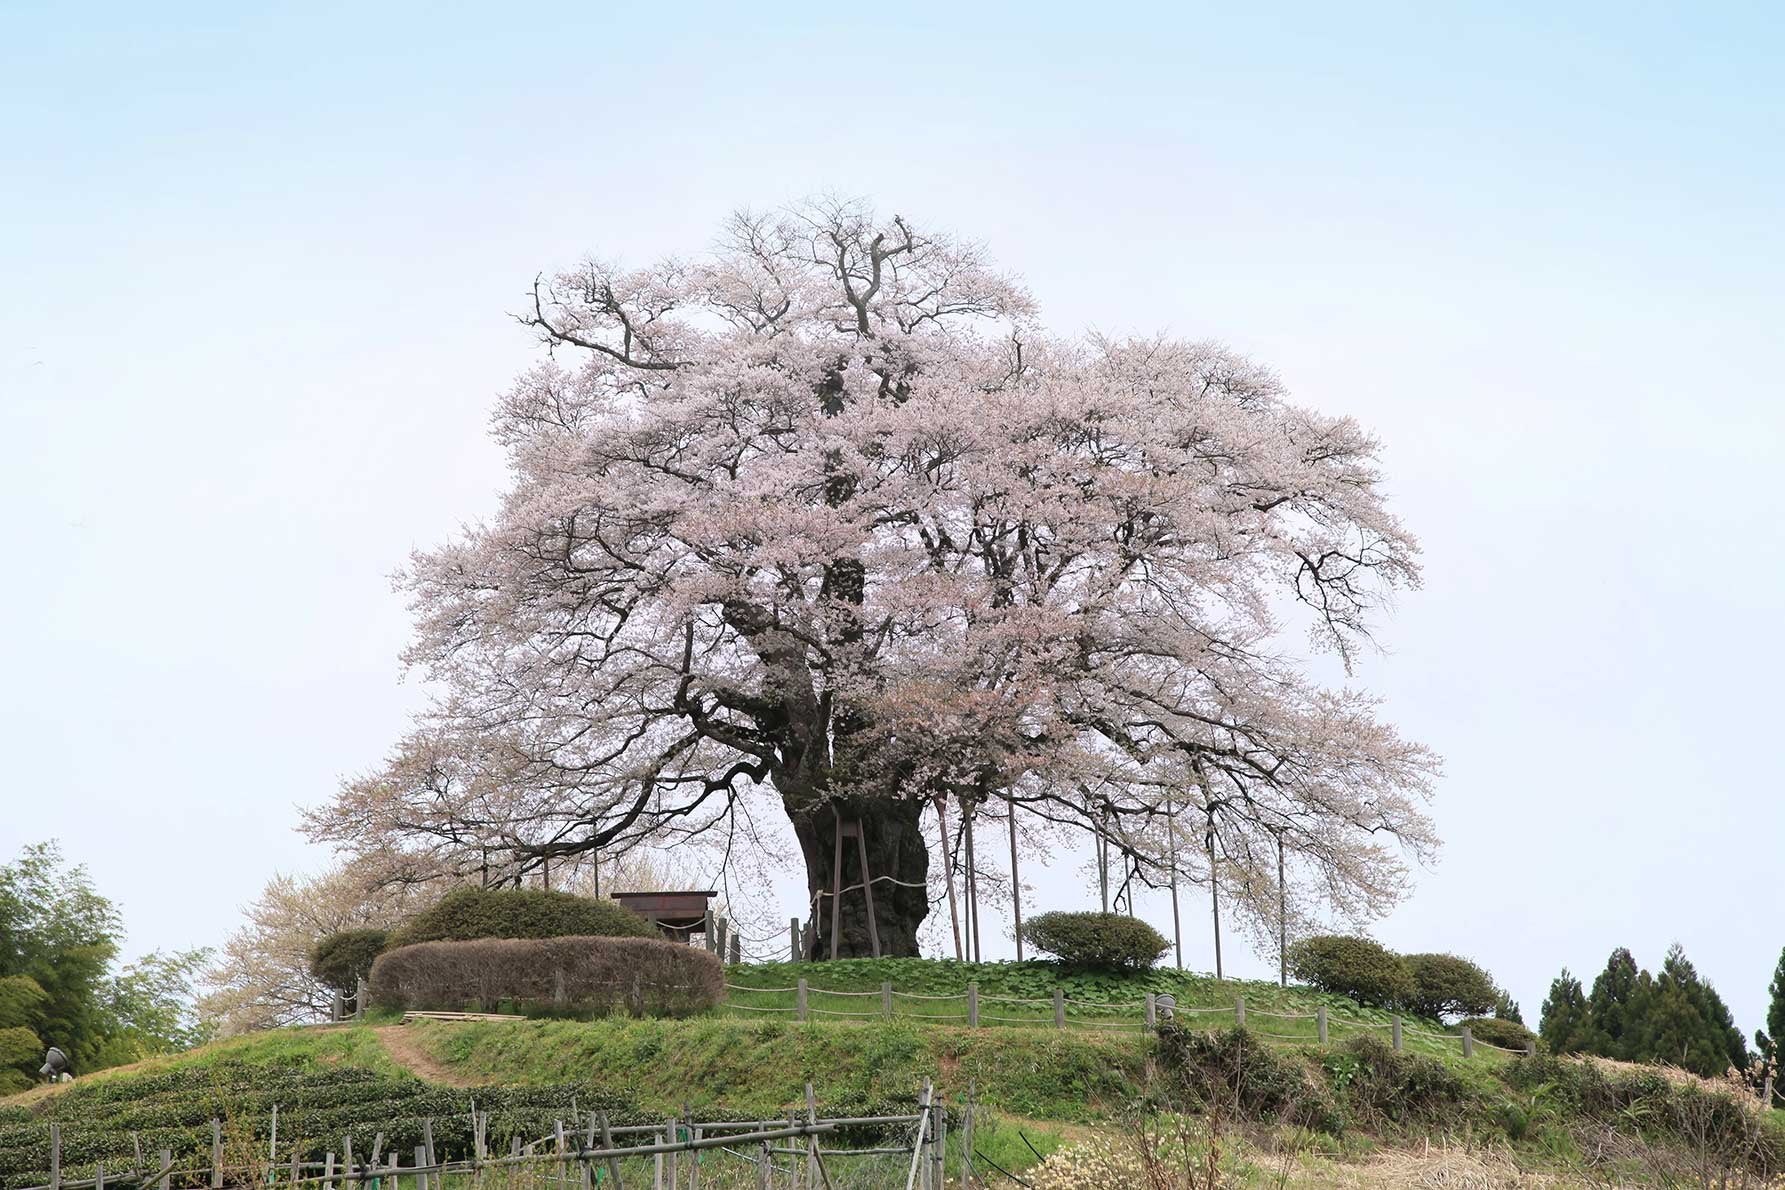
(898, 862)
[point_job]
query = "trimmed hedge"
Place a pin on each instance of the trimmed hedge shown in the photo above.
(1360, 968)
(467, 913)
(1446, 986)
(340, 958)
(1499, 1031)
(1107, 940)
(572, 976)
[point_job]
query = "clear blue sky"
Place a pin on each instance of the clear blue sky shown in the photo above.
(254, 271)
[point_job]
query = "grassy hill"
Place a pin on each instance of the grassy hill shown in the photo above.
(1045, 1087)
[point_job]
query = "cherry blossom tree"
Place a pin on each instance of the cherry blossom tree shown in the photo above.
(825, 524)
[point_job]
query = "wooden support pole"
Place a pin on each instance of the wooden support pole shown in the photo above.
(1171, 837)
(793, 940)
(1214, 895)
(1016, 887)
(967, 1141)
(861, 851)
(607, 1142)
(1282, 917)
(972, 884)
(837, 887)
(954, 918)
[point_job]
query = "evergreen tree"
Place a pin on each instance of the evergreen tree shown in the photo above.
(1770, 1041)
(1565, 1026)
(1615, 1002)
(1684, 1022)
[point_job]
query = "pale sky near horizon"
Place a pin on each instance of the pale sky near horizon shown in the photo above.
(255, 268)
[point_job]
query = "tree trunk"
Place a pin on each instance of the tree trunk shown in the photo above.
(898, 860)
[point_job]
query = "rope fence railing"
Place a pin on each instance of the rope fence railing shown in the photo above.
(1072, 1012)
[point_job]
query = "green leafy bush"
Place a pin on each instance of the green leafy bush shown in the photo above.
(340, 958)
(1108, 940)
(1362, 969)
(468, 913)
(1447, 986)
(1494, 1030)
(572, 976)
(1231, 1068)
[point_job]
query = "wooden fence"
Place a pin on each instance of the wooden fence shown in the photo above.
(771, 1154)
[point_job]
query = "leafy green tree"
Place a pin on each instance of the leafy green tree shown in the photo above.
(149, 1008)
(1565, 1025)
(1447, 986)
(58, 942)
(56, 930)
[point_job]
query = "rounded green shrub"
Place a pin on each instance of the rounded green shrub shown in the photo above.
(467, 913)
(341, 958)
(1508, 1035)
(1360, 968)
(1447, 986)
(1108, 940)
(566, 976)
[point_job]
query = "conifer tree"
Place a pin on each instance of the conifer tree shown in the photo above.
(1770, 1041)
(1614, 1005)
(1565, 1026)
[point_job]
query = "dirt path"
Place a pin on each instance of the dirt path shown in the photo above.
(407, 1051)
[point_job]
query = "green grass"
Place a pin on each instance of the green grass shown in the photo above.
(1020, 995)
(762, 1067)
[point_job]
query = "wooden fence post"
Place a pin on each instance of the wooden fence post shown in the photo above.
(793, 939)
(707, 924)
(328, 1172)
(359, 999)
(1468, 1043)
(737, 948)
(1152, 1012)
(1395, 1032)
(724, 933)
(1239, 1011)
(1531, 1050)
(167, 1165)
(799, 1003)
(886, 998)
(973, 1004)
(427, 1140)
(1059, 1008)
(1766, 1092)
(55, 1157)
(967, 1141)
(1320, 1023)
(216, 1152)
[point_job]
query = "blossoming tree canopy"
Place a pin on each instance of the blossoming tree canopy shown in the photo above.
(827, 521)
